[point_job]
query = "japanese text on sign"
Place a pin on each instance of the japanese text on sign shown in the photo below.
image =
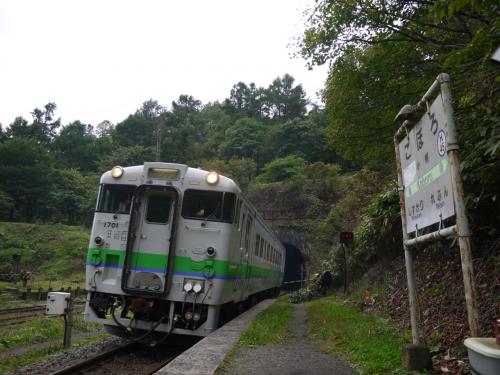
(426, 173)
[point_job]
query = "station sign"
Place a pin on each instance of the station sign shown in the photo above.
(425, 170)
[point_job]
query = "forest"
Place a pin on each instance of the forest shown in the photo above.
(331, 164)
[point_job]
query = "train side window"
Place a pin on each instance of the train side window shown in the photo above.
(257, 241)
(247, 234)
(237, 213)
(268, 252)
(228, 207)
(262, 248)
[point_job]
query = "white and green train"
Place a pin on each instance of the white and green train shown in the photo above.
(177, 250)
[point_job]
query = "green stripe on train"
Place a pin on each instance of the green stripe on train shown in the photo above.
(111, 257)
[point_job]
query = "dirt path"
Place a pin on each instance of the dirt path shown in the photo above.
(296, 356)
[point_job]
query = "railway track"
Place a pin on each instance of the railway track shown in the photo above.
(131, 358)
(18, 315)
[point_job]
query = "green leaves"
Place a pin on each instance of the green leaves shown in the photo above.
(282, 169)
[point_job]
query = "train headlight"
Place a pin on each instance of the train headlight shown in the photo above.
(210, 251)
(188, 287)
(98, 241)
(212, 178)
(197, 288)
(116, 171)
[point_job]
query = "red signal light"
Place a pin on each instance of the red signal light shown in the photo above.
(346, 237)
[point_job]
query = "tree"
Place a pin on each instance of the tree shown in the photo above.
(151, 109)
(282, 169)
(6, 205)
(104, 129)
(135, 130)
(362, 97)
(301, 137)
(247, 100)
(3, 135)
(42, 130)
(74, 147)
(74, 196)
(283, 100)
(243, 140)
(335, 27)
(126, 156)
(386, 54)
(26, 170)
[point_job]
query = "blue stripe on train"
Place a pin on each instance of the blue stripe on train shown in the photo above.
(180, 273)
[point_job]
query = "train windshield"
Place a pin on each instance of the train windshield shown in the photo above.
(209, 205)
(115, 198)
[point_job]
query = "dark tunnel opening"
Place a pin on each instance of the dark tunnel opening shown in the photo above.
(295, 267)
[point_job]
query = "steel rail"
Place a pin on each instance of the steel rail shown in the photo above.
(94, 360)
(18, 315)
(88, 365)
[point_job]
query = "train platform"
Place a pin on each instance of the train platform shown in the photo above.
(205, 356)
(296, 355)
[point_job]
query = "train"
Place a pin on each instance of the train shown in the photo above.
(176, 249)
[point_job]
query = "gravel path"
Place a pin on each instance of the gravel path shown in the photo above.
(296, 356)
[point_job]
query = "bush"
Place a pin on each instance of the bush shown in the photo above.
(305, 294)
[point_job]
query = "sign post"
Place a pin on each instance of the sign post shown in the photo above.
(346, 238)
(431, 189)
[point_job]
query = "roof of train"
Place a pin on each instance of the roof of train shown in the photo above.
(189, 177)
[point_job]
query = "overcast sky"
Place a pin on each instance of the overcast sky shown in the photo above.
(100, 60)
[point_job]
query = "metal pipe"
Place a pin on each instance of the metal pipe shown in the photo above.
(462, 223)
(432, 237)
(410, 273)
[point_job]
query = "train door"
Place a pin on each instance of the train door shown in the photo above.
(244, 269)
(148, 248)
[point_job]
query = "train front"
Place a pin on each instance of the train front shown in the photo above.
(130, 262)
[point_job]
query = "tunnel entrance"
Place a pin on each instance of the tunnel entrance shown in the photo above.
(295, 267)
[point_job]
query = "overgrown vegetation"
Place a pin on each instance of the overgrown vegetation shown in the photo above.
(367, 342)
(51, 252)
(48, 332)
(39, 330)
(10, 363)
(270, 326)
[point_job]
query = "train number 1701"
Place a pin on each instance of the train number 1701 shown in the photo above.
(110, 224)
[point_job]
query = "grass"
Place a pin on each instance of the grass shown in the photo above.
(51, 252)
(367, 342)
(270, 326)
(38, 330)
(55, 254)
(12, 362)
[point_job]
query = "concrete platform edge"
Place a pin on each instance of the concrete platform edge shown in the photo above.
(206, 356)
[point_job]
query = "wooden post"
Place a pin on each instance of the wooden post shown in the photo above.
(68, 321)
(463, 232)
